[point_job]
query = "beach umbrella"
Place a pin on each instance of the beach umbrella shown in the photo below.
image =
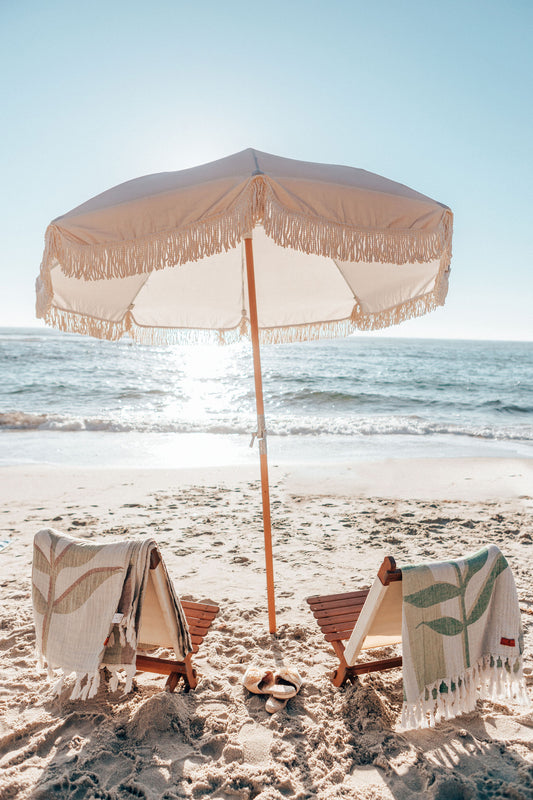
(251, 245)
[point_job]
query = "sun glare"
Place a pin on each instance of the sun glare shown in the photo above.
(212, 379)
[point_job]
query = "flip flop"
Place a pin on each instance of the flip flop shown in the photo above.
(273, 704)
(287, 684)
(258, 680)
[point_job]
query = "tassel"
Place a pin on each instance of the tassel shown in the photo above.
(130, 670)
(76, 692)
(113, 683)
(57, 687)
(91, 687)
(131, 633)
(85, 691)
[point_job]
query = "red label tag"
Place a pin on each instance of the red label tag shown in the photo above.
(508, 642)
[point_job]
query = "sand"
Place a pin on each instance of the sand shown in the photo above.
(332, 527)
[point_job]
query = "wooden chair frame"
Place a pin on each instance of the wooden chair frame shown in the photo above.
(199, 618)
(337, 614)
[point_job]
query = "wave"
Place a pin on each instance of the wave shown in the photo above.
(277, 426)
(507, 408)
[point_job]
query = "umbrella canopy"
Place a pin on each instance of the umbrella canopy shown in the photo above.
(335, 249)
(251, 245)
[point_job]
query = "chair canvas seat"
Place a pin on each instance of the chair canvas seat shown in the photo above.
(380, 621)
(155, 629)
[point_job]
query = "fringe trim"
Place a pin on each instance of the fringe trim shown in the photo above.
(257, 204)
(288, 229)
(163, 249)
(115, 670)
(341, 242)
(87, 683)
(72, 322)
(489, 679)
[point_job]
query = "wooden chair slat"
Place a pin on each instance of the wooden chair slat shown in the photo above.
(345, 625)
(199, 633)
(351, 607)
(198, 607)
(199, 622)
(208, 613)
(339, 634)
(317, 598)
(339, 620)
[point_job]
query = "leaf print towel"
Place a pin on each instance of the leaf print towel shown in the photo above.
(78, 587)
(461, 634)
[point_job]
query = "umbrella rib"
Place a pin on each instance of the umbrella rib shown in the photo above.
(356, 299)
(135, 296)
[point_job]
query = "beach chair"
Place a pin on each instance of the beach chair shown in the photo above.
(153, 631)
(76, 586)
(365, 619)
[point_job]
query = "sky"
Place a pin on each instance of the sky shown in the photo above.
(435, 96)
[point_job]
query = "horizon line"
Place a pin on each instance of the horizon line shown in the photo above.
(357, 334)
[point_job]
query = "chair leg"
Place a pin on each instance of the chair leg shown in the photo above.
(339, 676)
(191, 680)
(172, 681)
(341, 673)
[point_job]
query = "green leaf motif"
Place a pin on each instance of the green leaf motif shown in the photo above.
(449, 626)
(476, 563)
(436, 593)
(40, 562)
(483, 598)
(79, 592)
(39, 602)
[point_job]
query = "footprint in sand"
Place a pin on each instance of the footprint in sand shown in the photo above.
(256, 742)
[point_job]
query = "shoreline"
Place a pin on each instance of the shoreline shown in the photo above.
(125, 449)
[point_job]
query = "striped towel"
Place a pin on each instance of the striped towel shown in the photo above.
(461, 634)
(87, 603)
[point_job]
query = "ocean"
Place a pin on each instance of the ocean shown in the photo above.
(68, 399)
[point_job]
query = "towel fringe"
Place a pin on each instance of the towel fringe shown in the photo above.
(57, 688)
(488, 679)
(76, 692)
(130, 670)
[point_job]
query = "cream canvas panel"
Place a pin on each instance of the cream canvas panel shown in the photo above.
(380, 621)
(156, 624)
(153, 204)
(379, 287)
(101, 299)
(206, 295)
(161, 258)
(294, 288)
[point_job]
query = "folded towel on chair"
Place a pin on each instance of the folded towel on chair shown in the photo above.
(87, 604)
(461, 633)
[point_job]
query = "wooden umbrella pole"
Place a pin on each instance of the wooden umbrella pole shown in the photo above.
(261, 433)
